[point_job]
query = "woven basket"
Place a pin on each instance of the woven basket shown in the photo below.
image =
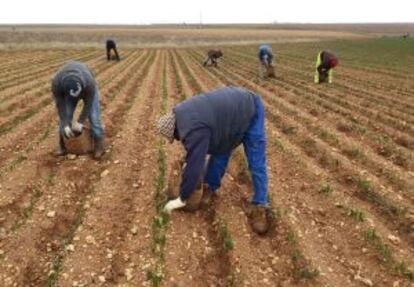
(173, 188)
(81, 144)
(270, 72)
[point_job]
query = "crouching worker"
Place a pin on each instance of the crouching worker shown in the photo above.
(266, 59)
(212, 57)
(111, 45)
(215, 123)
(325, 63)
(74, 82)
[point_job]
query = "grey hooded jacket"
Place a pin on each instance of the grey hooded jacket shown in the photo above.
(77, 71)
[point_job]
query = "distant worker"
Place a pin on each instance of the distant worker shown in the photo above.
(111, 45)
(74, 82)
(266, 59)
(325, 63)
(212, 57)
(215, 123)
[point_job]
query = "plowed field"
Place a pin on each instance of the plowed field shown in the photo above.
(340, 162)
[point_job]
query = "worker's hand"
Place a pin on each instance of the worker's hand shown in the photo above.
(68, 133)
(77, 128)
(174, 204)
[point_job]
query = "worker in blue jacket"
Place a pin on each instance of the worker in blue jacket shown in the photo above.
(215, 123)
(265, 55)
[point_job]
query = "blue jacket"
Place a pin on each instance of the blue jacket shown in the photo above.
(211, 123)
(265, 54)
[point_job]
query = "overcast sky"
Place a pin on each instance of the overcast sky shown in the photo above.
(211, 11)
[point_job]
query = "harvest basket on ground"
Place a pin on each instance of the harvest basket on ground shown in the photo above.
(82, 144)
(173, 188)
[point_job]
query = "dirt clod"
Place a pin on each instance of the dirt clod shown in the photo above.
(81, 144)
(102, 279)
(394, 239)
(104, 173)
(71, 156)
(90, 239)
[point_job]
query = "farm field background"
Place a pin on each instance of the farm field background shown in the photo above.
(76, 36)
(340, 160)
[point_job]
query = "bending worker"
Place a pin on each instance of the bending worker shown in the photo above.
(212, 57)
(215, 123)
(111, 45)
(325, 63)
(265, 55)
(72, 83)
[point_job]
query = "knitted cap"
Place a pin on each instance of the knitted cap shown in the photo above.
(72, 86)
(333, 63)
(166, 126)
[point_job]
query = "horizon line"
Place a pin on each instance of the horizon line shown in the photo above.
(206, 24)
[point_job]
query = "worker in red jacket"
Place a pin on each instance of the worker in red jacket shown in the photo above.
(325, 63)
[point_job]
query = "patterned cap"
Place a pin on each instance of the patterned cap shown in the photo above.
(166, 126)
(72, 86)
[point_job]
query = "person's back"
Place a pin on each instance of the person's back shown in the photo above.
(227, 112)
(325, 62)
(215, 54)
(328, 60)
(212, 56)
(265, 51)
(111, 45)
(76, 69)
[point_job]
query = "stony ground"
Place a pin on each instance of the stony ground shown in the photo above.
(340, 160)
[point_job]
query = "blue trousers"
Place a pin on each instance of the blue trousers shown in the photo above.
(94, 117)
(254, 143)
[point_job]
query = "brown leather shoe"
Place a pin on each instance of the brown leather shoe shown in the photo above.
(61, 149)
(207, 195)
(60, 152)
(259, 220)
(193, 202)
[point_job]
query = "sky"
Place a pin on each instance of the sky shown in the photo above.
(208, 11)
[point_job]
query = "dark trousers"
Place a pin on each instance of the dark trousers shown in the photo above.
(108, 54)
(210, 61)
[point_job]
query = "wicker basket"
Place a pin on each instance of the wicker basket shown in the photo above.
(270, 71)
(81, 144)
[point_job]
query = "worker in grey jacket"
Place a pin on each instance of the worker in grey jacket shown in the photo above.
(215, 123)
(72, 83)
